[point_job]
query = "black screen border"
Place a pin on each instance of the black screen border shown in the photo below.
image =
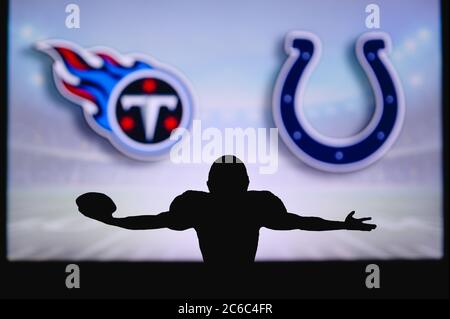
(331, 279)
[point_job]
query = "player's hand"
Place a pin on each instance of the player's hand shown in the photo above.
(352, 223)
(96, 205)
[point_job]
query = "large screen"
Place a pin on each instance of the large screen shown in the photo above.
(333, 106)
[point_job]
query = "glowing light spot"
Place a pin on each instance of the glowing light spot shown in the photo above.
(389, 99)
(339, 155)
(127, 123)
(398, 55)
(297, 135)
(423, 34)
(410, 45)
(287, 98)
(37, 79)
(370, 56)
(416, 80)
(380, 135)
(170, 123)
(26, 32)
(149, 85)
(306, 56)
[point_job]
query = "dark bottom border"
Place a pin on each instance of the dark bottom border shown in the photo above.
(311, 280)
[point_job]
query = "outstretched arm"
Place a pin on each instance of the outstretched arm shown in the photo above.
(161, 220)
(100, 207)
(288, 221)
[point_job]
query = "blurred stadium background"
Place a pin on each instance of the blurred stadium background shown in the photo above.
(231, 53)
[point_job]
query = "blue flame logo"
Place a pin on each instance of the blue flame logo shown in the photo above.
(89, 78)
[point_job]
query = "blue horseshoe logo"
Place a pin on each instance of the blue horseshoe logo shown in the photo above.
(338, 154)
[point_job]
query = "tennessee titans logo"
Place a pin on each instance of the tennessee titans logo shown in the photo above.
(133, 101)
(344, 154)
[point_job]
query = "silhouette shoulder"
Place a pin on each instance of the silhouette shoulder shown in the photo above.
(187, 200)
(267, 195)
(268, 201)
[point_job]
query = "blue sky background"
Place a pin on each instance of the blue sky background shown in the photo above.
(231, 53)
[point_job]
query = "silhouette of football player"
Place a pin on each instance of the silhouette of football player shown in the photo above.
(227, 219)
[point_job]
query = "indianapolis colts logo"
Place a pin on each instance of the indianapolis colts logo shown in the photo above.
(343, 154)
(132, 100)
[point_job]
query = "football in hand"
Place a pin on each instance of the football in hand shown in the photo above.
(96, 205)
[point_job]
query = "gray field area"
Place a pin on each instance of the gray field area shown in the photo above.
(57, 231)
